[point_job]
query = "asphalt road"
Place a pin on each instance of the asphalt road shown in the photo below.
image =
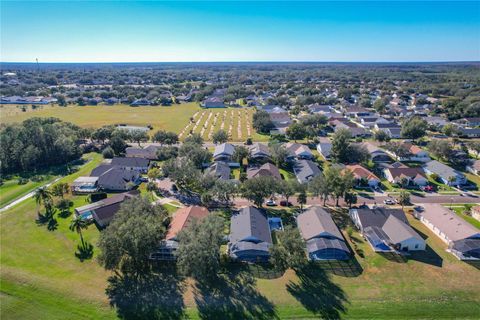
(445, 199)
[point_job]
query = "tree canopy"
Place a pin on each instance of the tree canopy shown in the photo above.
(134, 233)
(36, 143)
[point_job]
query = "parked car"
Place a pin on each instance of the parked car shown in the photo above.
(270, 203)
(389, 201)
(428, 188)
(284, 203)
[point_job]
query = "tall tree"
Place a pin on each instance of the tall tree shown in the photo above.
(279, 153)
(198, 253)
(413, 128)
(296, 131)
(258, 189)
(319, 188)
(42, 196)
(165, 137)
(341, 146)
(240, 154)
(288, 188)
(220, 136)
(78, 224)
(404, 198)
(262, 122)
(289, 251)
(139, 136)
(302, 197)
(134, 233)
(194, 138)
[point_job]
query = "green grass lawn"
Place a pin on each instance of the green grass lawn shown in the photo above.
(173, 118)
(42, 279)
(11, 190)
(459, 210)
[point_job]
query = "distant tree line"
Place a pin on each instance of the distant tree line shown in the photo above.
(37, 143)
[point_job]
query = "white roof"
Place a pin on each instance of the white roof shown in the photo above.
(454, 227)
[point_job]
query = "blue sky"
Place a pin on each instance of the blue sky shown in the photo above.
(104, 31)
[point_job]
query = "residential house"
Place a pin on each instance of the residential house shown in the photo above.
(250, 238)
(398, 173)
(446, 174)
(394, 133)
(317, 108)
(437, 122)
(223, 152)
(369, 122)
(474, 167)
(357, 112)
(149, 152)
(266, 169)
(84, 185)
(324, 147)
(376, 154)
(305, 170)
(298, 151)
(220, 170)
(469, 132)
(363, 176)
(415, 153)
(387, 230)
(213, 102)
(133, 164)
(354, 130)
(114, 178)
(323, 239)
(281, 120)
(470, 122)
(392, 129)
(182, 218)
(462, 238)
(259, 152)
(103, 211)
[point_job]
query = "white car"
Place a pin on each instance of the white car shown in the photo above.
(270, 203)
(389, 201)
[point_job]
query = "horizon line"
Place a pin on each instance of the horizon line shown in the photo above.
(251, 61)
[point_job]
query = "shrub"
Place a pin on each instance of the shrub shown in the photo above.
(108, 153)
(94, 197)
(22, 181)
(37, 178)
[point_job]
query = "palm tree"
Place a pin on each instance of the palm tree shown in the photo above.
(42, 195)
(77, 225)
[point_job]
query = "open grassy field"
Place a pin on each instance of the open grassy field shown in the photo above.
(175, 118)
(41, 278)
(11, 190)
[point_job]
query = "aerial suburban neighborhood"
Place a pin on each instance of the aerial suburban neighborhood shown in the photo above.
(239, 190)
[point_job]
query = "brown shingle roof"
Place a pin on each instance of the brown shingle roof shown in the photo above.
(183, 217)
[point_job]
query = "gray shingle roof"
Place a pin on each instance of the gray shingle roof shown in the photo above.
(220, 169)
(114, 178)
(130, 162)
(267, 169)
(441, 169)
(305, 169)
(250, 225)
(259, 150)
(398, 231)
(224, 149)
(316, 222)
(378, 216)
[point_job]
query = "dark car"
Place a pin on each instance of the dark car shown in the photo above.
(284, 203)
